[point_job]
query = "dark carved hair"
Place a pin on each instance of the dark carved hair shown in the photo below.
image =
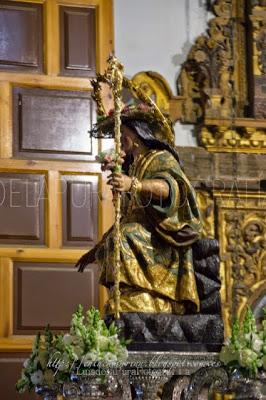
(144, 132)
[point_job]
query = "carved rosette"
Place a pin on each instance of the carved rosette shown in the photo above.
(242, 237)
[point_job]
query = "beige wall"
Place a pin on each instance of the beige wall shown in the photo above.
(156, 35)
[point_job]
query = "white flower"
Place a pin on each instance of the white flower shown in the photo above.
(256, 344)
(89, 358)
(103, 342)
(247, 336)
(67, 339)
(114, 340)
(110, 357)
(37, 377)
(26, 363)
(247, 357)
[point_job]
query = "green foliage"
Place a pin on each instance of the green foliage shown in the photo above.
(246, 349)
(55, 357)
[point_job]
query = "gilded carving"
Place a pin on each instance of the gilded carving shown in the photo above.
(156, 87)
(242, 236)
(258, 3)
(247, 137)
(258, 19)
(206, 206)
(212, 78)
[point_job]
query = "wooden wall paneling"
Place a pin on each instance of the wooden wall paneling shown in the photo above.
(51, 18)
(21, 30)
(22, 209)
(53, 254)
(52, 124)
(106, 220)
(16, 343)
(6, 297)
(41, 166)
(80, 199)
(66, 289)
(41, 254)
(104, 31)
(54, 210)
(5, 120)
(104, 28)
(46, 81)
(27, 1)
(78, 57)
(105, 42)
(104, 45)
(10, 372)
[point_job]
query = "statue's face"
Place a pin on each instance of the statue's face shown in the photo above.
(128, 138)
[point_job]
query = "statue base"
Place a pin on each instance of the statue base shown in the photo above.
(144, 376)
(175, 375)
(171, 332)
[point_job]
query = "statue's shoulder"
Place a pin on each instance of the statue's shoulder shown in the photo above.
(163, 159)
(155, 161)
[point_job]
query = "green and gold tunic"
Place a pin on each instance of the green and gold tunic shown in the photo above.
(156, 273)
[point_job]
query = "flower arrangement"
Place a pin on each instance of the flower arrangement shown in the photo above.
(109, 159)
(89, 344)
(127, 109)
(246, 349)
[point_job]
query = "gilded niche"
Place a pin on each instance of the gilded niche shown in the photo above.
(242, 237)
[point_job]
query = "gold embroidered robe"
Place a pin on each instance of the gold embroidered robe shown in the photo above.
(156, 258)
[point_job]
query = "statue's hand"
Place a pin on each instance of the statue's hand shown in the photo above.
(86, 259)
(120, 182)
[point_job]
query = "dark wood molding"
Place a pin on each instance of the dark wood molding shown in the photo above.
(48, 293)
(80, 210)
(78, 56)
(22, 209)
(21, 29)
(52, 124)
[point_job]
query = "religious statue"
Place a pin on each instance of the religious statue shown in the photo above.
(158, 222)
